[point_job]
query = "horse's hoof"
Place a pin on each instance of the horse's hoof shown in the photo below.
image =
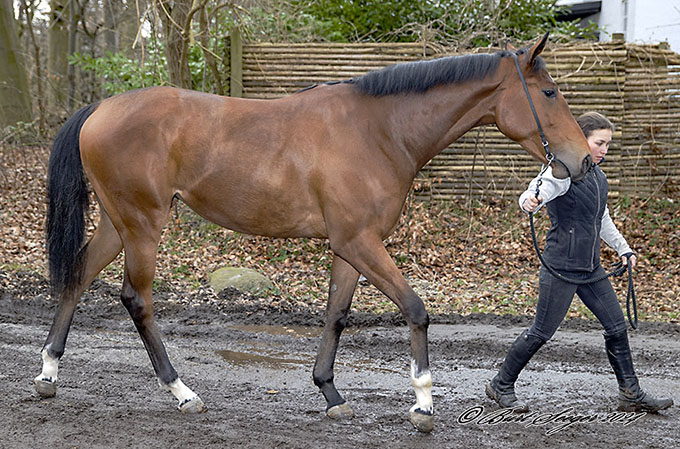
(423, 422)
(191, 406)
(45, 388)
(340, 411)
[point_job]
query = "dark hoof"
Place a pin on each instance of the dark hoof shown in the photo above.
(340, 411)
(423, 422)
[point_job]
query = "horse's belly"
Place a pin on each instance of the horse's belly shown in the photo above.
(268, 215)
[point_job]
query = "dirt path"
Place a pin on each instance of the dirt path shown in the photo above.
(255, 376)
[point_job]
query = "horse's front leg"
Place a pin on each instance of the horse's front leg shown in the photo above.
(341, 289)
(369, 256)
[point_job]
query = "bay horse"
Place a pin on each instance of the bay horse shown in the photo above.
(334, 161)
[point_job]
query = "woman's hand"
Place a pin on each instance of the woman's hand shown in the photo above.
(531, 203)
(632, 258)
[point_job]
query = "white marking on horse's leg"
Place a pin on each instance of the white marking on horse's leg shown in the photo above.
(189, 402)
(179, 390)
(422, 385)
(50, 367)
(46, 383)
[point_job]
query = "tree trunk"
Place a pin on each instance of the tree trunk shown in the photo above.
(15, 99)
(128, 26)
(29, 13)
(111, 15)
(209, 56)
(174, 15)
(72, 48)
(57, 58)
(90, 90)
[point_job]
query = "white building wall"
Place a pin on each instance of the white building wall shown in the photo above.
(613, 18)
(641, 21)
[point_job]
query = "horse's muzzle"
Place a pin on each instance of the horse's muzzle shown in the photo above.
(586, 165)
(561, 170)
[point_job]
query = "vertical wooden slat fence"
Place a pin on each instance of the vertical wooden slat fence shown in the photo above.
(637, 87)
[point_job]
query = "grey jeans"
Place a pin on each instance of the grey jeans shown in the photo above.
(555, 296)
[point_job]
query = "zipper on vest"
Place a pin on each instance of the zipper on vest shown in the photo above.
(597, 214)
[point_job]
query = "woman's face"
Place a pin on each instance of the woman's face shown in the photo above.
(598, 141)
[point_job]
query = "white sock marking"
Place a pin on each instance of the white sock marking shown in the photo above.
(50, 367)
(180, 391)
(423, 388)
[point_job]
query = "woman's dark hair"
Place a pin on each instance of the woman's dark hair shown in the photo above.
(591, 121)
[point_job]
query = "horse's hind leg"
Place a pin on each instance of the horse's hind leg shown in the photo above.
(341, 289)
(141, 245)
(102, 248)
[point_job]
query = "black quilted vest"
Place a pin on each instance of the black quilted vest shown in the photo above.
(573, 241)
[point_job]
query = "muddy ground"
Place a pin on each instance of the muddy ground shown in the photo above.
(251, 364)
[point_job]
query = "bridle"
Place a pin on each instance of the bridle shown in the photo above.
(548, 154)
(619, 268)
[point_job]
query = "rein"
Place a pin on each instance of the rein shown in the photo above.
(619, 268)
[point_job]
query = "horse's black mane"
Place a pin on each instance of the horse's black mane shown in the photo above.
(420, 76)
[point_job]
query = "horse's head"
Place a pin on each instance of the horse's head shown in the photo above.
(515, 119)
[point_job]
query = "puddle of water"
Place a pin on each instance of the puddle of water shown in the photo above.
(369, 365)
(293, 331)
(260, 353)
(276, 360)
(282, 360)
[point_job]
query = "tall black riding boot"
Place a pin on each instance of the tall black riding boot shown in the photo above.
(631, 397)
(502, 387)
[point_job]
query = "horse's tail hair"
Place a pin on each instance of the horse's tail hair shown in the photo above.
(67, 204)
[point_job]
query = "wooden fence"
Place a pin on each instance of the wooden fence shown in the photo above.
(636, 86)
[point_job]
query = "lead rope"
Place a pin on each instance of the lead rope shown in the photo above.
(630, 298)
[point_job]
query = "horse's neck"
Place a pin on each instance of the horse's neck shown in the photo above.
(429, 122)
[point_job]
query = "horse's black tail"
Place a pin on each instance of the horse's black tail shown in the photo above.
(68, 201)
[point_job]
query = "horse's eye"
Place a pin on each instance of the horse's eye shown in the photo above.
(550, 93)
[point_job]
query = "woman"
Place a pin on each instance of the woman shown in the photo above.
(579, 216)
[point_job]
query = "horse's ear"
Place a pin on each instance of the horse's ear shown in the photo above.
(509, 46)
(538, 48)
